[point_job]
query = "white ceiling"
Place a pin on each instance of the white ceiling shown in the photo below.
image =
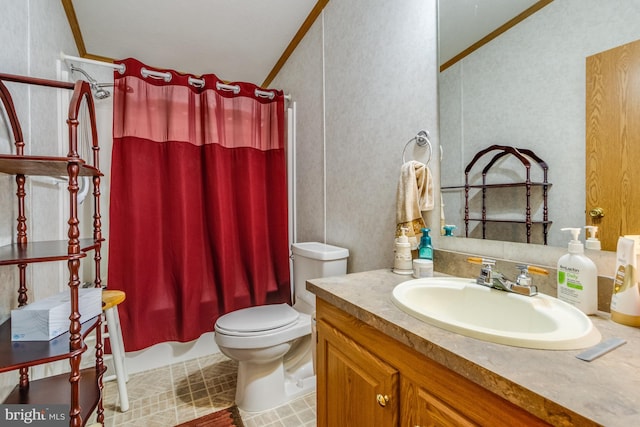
(242, 40)
(238, 40)
(463, 22)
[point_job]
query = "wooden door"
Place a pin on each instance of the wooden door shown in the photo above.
(355, 388)
(613, 142)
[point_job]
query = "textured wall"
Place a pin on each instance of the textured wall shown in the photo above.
(380, 88)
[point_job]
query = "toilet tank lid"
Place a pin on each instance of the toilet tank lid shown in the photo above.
(320, 251)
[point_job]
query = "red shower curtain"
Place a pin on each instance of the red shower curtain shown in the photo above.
(198, 214)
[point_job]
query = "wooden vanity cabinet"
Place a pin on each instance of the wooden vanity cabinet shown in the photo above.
(360, 388)
(422, 408)
(366, 378)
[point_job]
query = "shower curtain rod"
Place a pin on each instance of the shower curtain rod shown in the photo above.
(120, 67)
(166, 76)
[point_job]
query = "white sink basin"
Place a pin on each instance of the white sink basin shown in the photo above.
(462, 306)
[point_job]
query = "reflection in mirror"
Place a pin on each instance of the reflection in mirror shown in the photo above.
(506, 192)
(526, 88)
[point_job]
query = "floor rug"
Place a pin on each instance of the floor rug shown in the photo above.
(229, 417)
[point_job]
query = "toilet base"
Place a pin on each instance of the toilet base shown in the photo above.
(273, 367)
(263, 386)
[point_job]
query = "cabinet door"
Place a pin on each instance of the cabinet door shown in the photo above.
(355, 388)
(421, 409)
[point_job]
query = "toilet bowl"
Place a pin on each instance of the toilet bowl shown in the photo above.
(273, 343)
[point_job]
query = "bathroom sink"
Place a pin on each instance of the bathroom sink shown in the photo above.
(462, 306)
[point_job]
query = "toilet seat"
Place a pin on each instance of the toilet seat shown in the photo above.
(257, 320)
(246, 328)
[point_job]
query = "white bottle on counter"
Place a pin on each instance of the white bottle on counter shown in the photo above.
(592, 241)
(402, 263)
(578, 277)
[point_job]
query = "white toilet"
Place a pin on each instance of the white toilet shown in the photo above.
(273, 344)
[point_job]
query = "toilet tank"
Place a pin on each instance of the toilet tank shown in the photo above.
(312, 260)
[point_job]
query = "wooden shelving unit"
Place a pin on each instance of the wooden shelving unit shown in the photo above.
(525, 156)
(80, 389)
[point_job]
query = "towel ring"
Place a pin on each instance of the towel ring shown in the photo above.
(421, 139)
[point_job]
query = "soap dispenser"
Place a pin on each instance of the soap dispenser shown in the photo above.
(425, 250)
(592, 241)
(578, 276)
(402, 262)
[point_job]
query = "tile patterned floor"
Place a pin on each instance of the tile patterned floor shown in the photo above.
(184, 391)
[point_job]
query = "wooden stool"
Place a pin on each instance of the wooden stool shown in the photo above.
(110, 301)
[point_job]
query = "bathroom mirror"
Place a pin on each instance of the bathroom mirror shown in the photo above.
(526, 88)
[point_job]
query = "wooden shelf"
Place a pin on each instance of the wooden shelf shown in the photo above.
(19, 354)
(505, 185)
(55, 390)
(43, 166)
(511, 221)
(52, 250)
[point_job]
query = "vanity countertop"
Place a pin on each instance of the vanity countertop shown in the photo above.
(553, 385)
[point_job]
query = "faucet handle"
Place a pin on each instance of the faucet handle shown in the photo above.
(485, 262)
(486, 272)
(523, 278)
(532, 269)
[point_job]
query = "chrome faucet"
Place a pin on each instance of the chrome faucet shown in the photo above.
(523, 284)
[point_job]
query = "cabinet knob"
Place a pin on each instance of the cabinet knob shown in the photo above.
(596, 213)
(382, 400)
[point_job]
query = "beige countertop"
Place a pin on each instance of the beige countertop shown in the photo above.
(553, 385)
